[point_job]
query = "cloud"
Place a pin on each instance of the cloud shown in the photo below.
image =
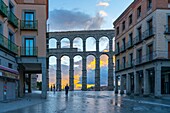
(104, 4)
(61, 19)
(102, 13)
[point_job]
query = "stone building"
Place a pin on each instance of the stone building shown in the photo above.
(143, 48)
(22, 45)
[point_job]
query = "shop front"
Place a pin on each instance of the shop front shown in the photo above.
(9, 79)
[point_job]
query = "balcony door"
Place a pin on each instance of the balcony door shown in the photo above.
(168, 24)
(150, 47)
(29, 46)
(169, 50)
(29, 19)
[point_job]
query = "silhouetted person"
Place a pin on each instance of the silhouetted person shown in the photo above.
(54, 88)
(66, 89)
(51, 88)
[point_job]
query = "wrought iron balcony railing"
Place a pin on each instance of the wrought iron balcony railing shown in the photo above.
(167, 29)
(148, 33)
(152, 56)
(117, 51)
(7, 44)
(29, 51)
(123, 48)
(3, 9)
(12, 19)
(129, 44)
(29, 24)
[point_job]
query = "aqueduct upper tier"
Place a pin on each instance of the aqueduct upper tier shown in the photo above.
(58, 52)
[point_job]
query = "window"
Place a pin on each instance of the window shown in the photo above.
(117, 65)
(124, 62)
(117, 33)
(139, 31)
(139, 56)
(29, 19)
(169, 50)
(118, 49)
(130, 19)
(150, 50)
(149, 4)
(139, 12)
(124, 46)
(131, 59)
(10, 65)
(168, 27)
(123, 25)
(131, 39)
(29, 46)
(11, 7)
(1, 29)
(150, 27)
(11, 38)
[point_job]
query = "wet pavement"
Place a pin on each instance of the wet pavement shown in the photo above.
(95, 102)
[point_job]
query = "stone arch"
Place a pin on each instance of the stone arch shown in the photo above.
(91, 66)
(65, 42)
(50, 55)
(65, 64)
(52, 67)
(104, 59)
(104, 44)
(93, 54)
(91, 44)
(78, 72)
(52, 43)
(78, 43)
(78, 54)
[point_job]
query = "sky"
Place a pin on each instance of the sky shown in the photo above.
(71, 15)
(84, 14)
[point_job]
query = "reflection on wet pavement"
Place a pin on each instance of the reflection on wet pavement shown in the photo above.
(96, 102)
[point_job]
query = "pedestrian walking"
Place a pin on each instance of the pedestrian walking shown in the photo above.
(66, 89)
(51, 88)
(54, 88)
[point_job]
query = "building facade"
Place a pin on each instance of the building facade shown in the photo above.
(143, 48)
(22, 45)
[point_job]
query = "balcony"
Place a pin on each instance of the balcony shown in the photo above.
(29, 51)
(3, 9)
(12, 19)
(117, 51)
(129, 64)
(129, 44)
(137, 39)
(148, 33)
(152, 56)
(167, 29)
(123, 48)
(7, 44)
(29, 25)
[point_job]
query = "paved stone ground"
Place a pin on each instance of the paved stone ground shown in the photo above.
(87, 102)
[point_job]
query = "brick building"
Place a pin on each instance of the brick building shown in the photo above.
(22, 45)
(143, 48)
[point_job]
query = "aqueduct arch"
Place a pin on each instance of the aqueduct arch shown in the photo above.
(58, 52)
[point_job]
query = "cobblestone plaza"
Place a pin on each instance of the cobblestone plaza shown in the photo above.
(86, 102)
